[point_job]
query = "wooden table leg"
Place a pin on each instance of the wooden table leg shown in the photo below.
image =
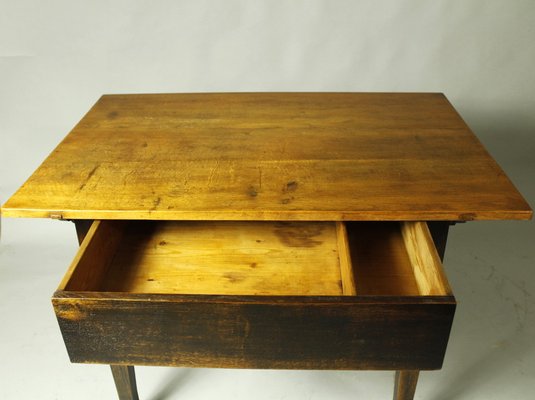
(405, 385)
(125, 381)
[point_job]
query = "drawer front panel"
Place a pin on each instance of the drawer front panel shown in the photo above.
(241, 332)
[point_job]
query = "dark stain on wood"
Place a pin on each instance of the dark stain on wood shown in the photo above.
(112, 115)
(467, 217)
(294, 234)
(92, 172)
(252, 192)
(89, 175)
(233, 277)
(290, 187)
(156, 203)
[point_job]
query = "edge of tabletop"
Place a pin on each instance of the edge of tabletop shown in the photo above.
(272, 215)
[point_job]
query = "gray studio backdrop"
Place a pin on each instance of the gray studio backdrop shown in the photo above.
(58, 57)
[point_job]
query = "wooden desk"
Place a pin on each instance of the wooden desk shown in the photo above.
(264, 230)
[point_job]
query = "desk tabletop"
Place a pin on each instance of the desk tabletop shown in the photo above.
(270, 156)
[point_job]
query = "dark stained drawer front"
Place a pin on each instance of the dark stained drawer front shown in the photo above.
(257, 295)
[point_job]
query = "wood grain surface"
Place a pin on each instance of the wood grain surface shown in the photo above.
(140, 300)
(405, 384)
(94, 256)
(125, 381)
(346, 265)
(223, 257)
(258, 258)
(345, 332)
(427, 267)
(270, 156)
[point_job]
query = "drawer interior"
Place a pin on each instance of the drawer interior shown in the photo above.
(258, 258)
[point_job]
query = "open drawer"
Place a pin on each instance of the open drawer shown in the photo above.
(300, 295)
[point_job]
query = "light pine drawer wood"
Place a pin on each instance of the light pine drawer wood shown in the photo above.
(303, 295)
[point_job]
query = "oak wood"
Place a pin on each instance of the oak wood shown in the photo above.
(94, 256)
(430, 277)
(380, 260)
(405, 384)
(346, 265)
(125, 381)
(240, 258)
(270, 156)
(258, 258)
(344, 332)
(234, 331)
